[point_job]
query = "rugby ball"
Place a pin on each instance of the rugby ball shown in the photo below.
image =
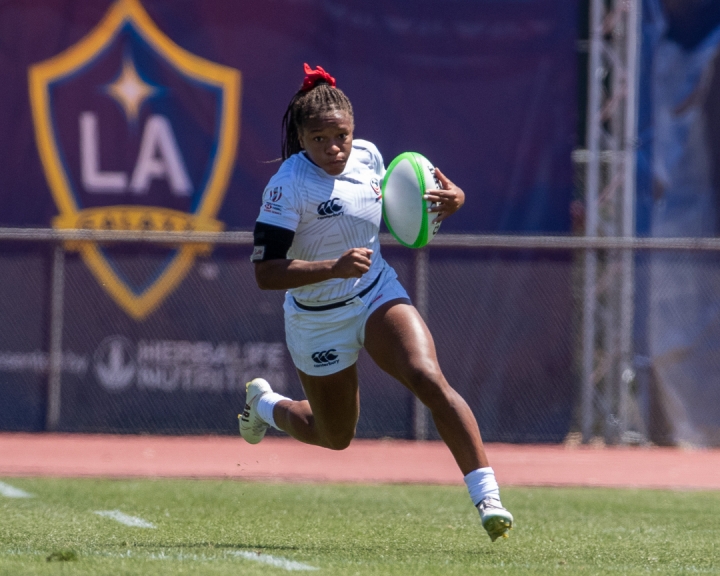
(403, 207)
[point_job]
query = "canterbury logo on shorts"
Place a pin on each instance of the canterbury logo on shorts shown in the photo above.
(330, 208)
(325, 358)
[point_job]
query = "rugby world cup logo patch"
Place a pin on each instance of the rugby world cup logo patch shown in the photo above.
(271, 198)
(135, 133)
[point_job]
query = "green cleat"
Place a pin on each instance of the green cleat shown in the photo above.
(496, 520)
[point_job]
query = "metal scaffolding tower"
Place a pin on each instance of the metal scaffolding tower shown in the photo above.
(609, 409)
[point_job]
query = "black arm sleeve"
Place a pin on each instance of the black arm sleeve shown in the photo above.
(270, 242)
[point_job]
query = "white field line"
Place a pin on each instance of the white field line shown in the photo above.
(276, 561)
(12, 492)
(126, 519)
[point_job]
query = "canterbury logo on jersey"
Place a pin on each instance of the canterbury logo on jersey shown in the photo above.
(325, 358)
(330, 208)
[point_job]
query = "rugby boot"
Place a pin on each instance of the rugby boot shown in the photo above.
(496, 520)
(252, 427)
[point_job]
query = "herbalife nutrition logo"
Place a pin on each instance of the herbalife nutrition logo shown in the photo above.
(170, 365)
(114, 363)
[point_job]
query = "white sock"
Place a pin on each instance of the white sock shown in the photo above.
(265, 406)
(481, 484)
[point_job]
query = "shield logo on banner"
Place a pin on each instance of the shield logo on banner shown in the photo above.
(135, 133)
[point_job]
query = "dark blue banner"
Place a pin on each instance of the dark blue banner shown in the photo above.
(148, 114)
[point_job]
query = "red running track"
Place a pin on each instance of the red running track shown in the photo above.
(367, 461)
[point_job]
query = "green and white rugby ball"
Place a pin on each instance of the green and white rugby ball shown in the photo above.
(405, 213)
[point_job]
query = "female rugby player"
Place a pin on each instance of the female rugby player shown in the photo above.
(317, 237)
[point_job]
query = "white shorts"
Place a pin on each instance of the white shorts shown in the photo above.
(327, 341)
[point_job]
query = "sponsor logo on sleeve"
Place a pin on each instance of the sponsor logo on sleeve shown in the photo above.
(258, 254)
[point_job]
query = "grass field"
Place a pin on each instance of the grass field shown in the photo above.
(231, 527)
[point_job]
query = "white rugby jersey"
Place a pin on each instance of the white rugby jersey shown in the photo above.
(329, 215)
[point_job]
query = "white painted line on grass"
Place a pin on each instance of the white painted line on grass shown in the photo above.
(283, 563)
(126, 519)
(276, 561)
(12, 492)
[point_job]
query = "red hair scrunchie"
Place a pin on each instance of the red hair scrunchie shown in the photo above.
(312, 77)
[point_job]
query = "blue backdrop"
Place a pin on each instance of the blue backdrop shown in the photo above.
(166, 114)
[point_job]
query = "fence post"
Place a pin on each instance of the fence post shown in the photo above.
(421, 415)
(52, 416)
(588, 346)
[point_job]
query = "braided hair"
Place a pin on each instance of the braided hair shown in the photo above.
(318, 95)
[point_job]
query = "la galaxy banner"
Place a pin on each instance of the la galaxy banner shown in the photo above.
(135, 133)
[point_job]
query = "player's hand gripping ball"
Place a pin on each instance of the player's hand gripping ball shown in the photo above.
(404, 207)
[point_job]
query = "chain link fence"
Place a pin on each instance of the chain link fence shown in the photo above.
(506, 314)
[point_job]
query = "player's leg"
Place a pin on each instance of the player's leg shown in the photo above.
(329, 416)
(398, 340)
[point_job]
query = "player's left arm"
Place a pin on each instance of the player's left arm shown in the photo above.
(448, 200)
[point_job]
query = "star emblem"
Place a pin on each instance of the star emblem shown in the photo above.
(130, 90)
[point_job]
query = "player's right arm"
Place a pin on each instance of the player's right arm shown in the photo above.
(274, 271)
(283, 274)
